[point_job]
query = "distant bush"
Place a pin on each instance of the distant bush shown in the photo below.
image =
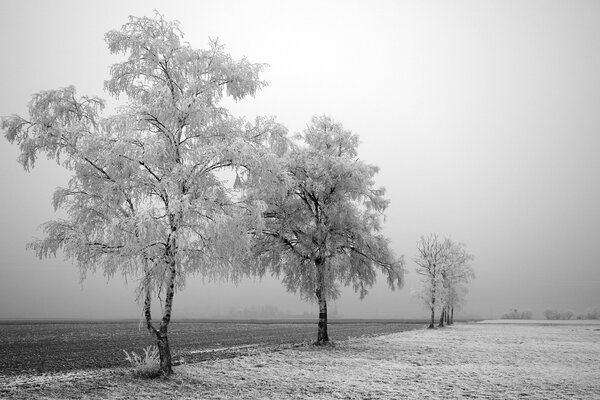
(147, 366)
(515, 314)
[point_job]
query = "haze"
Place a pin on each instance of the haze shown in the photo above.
(483, 117)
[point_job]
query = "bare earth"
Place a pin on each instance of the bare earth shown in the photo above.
(480, 361)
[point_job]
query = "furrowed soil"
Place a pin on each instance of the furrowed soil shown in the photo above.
(478, 361)
(54, 346)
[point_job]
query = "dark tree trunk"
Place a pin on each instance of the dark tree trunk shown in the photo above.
(162, 341)
(432, 322)
(164, 351)
(452, 316)
(322, 336)
(442, 316)
(166, 365)
(447, 315)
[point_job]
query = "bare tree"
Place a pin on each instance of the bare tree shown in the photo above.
(455, 276)
(444, 269)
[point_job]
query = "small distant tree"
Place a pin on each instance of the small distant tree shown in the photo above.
(445, 270)
(455, 276)
(559, 315)
(144, 197)
(322, 223)
(515, 314)
(593, 313)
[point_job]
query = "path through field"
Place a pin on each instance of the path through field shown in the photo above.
(479, 361)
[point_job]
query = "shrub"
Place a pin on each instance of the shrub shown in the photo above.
(147, 366)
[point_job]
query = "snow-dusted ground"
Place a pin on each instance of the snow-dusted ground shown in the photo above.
(480, 361)
(542, 321)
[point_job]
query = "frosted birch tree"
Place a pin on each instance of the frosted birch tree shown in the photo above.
(145, 197)
(455, 276)
(429, 264)
(444, 269)
(322, 227)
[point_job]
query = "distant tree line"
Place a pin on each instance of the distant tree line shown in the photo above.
(593, 313)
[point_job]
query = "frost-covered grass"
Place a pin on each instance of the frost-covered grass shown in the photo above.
(146, 366)
(480, 361)
(543, 321)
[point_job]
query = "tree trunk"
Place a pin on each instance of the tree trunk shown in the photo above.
(166, 366)
(442, 316)
(162, 341)
(164, 351)
(432, 322)
(322, 336)
(447, 315)
(452, 316)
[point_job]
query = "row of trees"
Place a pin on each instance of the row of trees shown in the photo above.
(148, 196)
(593, 313)
(553, 314)
(445, 270)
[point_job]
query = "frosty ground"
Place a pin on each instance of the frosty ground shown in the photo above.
(480, 361)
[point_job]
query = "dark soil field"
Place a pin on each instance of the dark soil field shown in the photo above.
(52, 346)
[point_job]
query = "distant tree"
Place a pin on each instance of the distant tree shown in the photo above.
(515, 314)
(593, 313)
(445, 270)
(559, 315)
(455, 277)
(144, 197)
(322, 225)
(429, 265)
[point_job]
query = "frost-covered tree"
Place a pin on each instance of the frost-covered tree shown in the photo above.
(444, 268)
(456, 274)
(516, 314)
(322, 226)
(145, 197)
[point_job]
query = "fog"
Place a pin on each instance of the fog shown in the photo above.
(483, 117)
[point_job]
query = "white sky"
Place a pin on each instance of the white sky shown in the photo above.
(483, 117)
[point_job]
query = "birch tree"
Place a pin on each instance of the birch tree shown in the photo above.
(444, 269)
(455, 277)
(322, 228)
(145, 196)
(429, 264)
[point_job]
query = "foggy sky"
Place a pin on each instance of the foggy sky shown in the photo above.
(483, 117)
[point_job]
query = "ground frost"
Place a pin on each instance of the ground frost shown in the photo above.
(476, 361)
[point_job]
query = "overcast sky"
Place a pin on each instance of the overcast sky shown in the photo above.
(483, 116)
